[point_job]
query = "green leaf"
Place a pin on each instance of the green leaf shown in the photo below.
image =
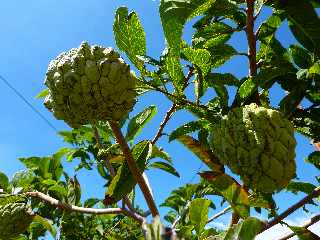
(22, 179)
(315, 68)
(305, 25)
(45, 224)
(314, 158)
(199, 209)
(212, 35)
(91, 202)
(297, 187)
(300, 56)
(43, 93)
(236, 196)
(269, 27)
(155, 230)
(165, 167)
(203, 153)
(220, 54)
(129, 35)
(200, 58)
(160, 153)
(247, 88)
(4, 181)
(221, 79)
(59, 190)
(187, 128)
(290, 102)
(174, 14)
(247, 229)
(124, 182)
(138, 122)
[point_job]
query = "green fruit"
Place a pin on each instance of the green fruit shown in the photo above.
(258, 144)
(89, 84)
(15, 216)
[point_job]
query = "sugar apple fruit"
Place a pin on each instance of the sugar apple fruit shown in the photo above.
(258, 144)
(15, 216)
(89, 84)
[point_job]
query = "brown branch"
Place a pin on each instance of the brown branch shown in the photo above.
(134, 168)
(163, 123)
(187, 78)
(315, 193)
(312, 221)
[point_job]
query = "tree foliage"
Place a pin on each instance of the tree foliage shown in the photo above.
(185, 74)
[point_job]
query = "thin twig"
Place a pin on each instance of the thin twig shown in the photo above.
(219, 214)
(251, 38)
(134, 168)
(315, 193)
(312, 221)
(163, 123)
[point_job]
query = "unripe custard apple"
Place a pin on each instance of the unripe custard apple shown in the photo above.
(89, 84)
(15, 217)
(258, 144)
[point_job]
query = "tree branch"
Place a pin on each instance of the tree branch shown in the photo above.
(312, 221)
(163, 123)
(134, 168)
(219, 214)
(65, 206)
(315, 193)
(251, 38)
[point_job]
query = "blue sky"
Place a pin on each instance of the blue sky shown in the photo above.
(34, 32)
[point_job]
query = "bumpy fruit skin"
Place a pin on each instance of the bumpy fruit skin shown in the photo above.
(258, 144)
(15, 218)
(89, 84)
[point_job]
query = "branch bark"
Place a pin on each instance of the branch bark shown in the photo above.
(163, 123)
(65, 206)
(315, 193)
(312, 221)
(134, 168)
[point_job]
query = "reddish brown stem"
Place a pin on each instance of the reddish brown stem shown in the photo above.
(163, 123)
(134, 168)
(315, 193)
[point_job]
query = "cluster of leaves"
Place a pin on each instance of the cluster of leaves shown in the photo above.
(296, 69)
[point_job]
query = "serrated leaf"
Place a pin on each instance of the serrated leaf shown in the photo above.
(203, 153)
(269, 27)
(43, 93)
(138, 122)
(296, 187)
(187, 128)
(124, 181)
(4, 181)
(165, 167)
(236, 196)
(198, 212)
(314, 158)
(129, 35)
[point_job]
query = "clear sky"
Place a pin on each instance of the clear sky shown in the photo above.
(33, 32)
